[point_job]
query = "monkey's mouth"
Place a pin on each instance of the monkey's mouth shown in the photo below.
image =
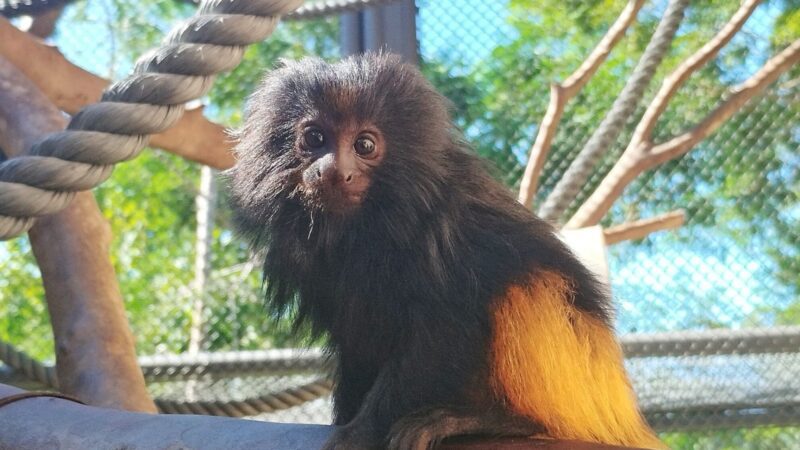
(332, 199)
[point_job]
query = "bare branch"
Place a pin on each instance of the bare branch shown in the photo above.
(70, 88)
(96, 358)
(671, 84)
(612, 124)
(560, 94)
(643, 156)
(541, 146)
(640, 229)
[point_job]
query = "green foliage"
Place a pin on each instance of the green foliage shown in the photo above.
(152, 215)
(23, 312)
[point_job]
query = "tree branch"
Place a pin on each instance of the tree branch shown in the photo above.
(70, 88)
(581, 168)
(95, 354)
(560, 94)
(642, 156)
(673, 82)
(639, 229)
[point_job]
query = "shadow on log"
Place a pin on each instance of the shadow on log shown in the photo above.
(47, 422)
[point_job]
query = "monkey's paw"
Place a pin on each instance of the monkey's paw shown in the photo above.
(351, 438)
(419, 432)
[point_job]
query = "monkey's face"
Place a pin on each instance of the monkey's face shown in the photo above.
(337, 160)
(359, 143)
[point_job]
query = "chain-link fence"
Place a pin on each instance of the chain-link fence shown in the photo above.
(708, 312)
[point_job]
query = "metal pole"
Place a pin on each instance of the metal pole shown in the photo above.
(389, 27)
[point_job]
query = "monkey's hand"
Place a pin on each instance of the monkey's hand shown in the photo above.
(353, 436)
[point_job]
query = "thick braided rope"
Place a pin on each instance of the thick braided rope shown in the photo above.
(166, 368)
(275, 401)
(176, 367)
(582, 167)
(313, 10)
(160, 368)
(27, 366)
(169, 368)
(14, 8)
(147, 102)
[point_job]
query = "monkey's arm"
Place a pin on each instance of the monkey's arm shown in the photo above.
(433, 372)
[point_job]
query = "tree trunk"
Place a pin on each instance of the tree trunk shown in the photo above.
(95, 354)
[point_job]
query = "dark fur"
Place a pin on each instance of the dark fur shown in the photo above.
(404, 285)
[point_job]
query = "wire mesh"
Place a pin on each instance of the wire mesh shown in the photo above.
(733, 266)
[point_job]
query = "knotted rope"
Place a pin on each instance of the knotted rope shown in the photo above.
(149, 101)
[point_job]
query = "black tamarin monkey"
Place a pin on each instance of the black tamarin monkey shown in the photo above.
(450, 308)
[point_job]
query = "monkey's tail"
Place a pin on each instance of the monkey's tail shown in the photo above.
(563, 368)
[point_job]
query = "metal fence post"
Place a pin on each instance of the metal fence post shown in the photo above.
(389, 27)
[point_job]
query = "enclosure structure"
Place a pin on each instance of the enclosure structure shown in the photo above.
(731, 267)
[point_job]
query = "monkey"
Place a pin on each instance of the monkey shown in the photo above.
(450, 308)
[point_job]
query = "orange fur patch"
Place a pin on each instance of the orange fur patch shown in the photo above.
(562, 367)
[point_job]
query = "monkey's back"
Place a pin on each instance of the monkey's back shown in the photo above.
(562, 367)
(553, 356)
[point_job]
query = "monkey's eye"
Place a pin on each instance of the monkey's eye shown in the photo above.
(313, 138)
(364, 146)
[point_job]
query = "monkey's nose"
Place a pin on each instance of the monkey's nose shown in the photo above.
(348, 178)
(322, 171)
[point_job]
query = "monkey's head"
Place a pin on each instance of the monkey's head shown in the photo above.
(366, 137)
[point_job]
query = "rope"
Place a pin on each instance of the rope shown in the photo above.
(783, 339)
(317, 9)
(162, 368)
(582, 167)
(325, 8)
(221, 364)
(29, 367)
(264, 404)
(297, 360)
(313, 10)
(117, 128)
(176, 367)
(149, 101)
